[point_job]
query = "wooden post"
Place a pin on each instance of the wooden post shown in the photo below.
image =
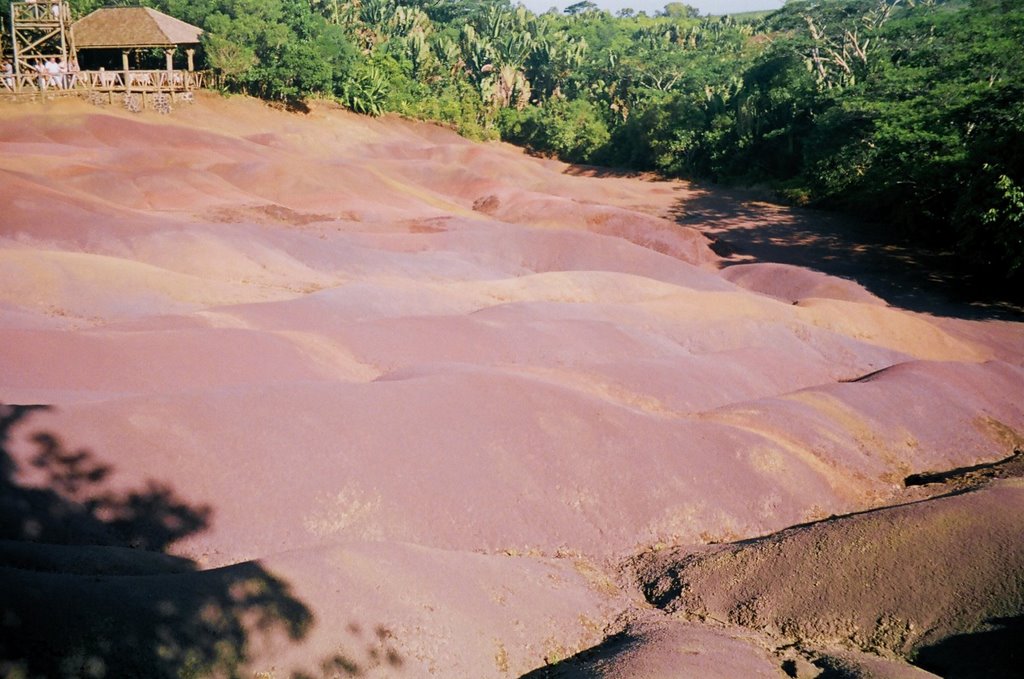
(191, 52)
(124, 63)
(169, 53)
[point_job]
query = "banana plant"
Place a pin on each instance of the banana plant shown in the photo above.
(448, 54)
(477, 52)
(554, 58)
(405, 20)
(513, 48)
(366, 91)
(417, 48)
(375, 12)
(509, 88)
(494, 23)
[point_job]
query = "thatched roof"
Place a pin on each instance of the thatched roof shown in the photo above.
(130, 27)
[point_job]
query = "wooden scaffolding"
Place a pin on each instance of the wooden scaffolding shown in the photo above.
(40, 31)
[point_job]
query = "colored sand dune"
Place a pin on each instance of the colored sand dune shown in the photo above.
(334, 396)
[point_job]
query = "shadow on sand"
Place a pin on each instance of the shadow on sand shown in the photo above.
(83, 563)
(587, 663)
(995, 652)
(746, 230)
(88, 589)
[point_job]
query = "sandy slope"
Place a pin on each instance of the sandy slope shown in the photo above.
(847, 580)
(428, 394)
(890, 582)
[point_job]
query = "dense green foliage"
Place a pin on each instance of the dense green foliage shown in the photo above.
(924, 129)
(907, 111)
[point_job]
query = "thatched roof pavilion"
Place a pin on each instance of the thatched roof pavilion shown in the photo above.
(54, 57)
(132, 28)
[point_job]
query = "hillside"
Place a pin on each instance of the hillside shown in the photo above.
(325, 395)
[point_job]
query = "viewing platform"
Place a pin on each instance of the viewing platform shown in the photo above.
(109, 55)
(136, 90)
(45, 85)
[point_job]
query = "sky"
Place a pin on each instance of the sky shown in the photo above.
(652, 6)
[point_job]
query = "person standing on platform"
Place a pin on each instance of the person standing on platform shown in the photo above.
(40, 69)
(7, 73)
(52, 69)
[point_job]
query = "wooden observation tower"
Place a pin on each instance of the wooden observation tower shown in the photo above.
(46, 48)
(40, 31)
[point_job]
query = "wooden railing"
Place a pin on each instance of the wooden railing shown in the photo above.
(19, 82)
(34, 13)
(142, 81)
(103, 81)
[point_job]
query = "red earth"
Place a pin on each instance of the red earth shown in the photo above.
(328, 395)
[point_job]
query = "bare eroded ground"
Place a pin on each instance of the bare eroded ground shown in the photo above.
(324, 395)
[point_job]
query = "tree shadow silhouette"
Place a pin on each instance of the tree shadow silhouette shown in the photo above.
(378, 653)
(994, 652)
(88, 589)
(72, 507)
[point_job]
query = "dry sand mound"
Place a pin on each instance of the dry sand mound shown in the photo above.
(890, 581)
(339, 395)
(792, 283)
(826, 594)
(669, 649)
